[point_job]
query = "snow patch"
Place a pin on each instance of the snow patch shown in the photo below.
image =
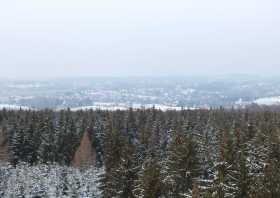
(13, 107)
(122, 106)
(268, 101)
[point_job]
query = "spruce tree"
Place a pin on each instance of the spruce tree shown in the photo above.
(181, 166)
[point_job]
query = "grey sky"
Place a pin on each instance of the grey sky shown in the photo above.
(147, 37)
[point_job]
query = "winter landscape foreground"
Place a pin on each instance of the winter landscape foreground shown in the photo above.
(147, 153)
(48, 181)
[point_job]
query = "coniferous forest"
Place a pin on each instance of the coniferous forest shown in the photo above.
(140, 153)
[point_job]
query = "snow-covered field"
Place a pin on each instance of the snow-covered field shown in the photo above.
(113, 107)
(13, 107)
(268, 101)
(105, 106)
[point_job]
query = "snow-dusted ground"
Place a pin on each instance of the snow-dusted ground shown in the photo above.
(268, 101)
(13, 107)
(105, 106)
(94, 107)
(48, 181)
(113, 107)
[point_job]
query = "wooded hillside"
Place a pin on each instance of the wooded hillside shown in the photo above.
(151, 153)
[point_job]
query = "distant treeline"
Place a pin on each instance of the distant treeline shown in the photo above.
(150, 153)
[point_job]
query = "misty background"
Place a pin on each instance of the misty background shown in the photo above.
(138, 38)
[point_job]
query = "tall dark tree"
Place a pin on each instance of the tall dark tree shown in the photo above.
(181, 166)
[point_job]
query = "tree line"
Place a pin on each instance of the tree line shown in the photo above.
(151, 153)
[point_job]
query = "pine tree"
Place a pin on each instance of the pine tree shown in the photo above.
(29, 145)
(16, 144)
(223, 181)
(125, 173)
(71, 140)
(149, 183)
(4, 152)
(112, 158)
(181, 166)
(46, 150)
(268, 183)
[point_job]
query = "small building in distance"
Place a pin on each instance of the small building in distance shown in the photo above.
(85, 156)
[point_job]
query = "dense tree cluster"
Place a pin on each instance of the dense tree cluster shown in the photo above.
(148, 153)
(47, 180)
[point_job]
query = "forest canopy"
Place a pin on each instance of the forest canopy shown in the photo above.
(148, 152)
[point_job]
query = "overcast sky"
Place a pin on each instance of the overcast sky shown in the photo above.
(53, 38)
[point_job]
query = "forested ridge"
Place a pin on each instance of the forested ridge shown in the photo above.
(143, 153)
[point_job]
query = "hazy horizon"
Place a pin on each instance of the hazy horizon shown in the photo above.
(50, 39)
(225, 76)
